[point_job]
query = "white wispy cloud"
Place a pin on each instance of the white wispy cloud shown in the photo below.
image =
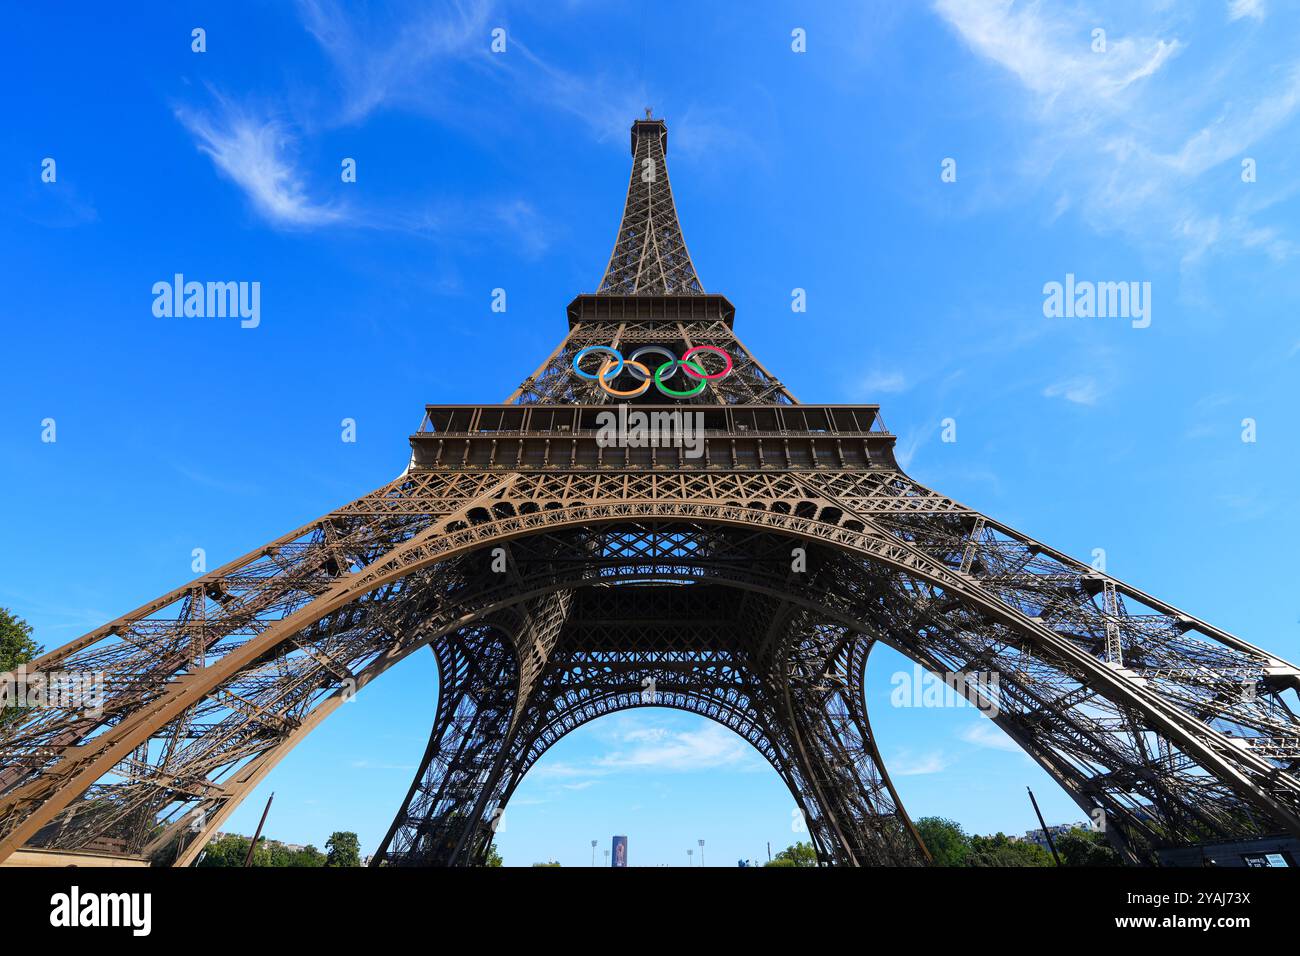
(1046, 53)
(430, 59)
(906, 447)
(639, 741)
(1082, 390)
(907, 764)
(1246, 8)
(1211, 416)
(558, 771)
(55, 616)
(530, 230)
(257, 153)
(1125, 141)
(881, 382)
(604, 105)
(1250, 505)
(986, 734)
(434, 58)
(394, 54)
(661, 748)
(373, 765)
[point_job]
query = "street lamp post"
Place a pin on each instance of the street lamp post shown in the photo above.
(701, 853)
(593, 852)
(607, 858)
(689, 854)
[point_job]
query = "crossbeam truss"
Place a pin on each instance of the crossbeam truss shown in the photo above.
(209, 686)
(747, 587)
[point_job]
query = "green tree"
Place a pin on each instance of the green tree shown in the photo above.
(551, 863)
(945, 839)
(343, 849)
(1081, 847)
(226, 850)
(232, 849)
(282, 855)
(16, 644)
(797, 854)
(1001, 850)
(493, 857)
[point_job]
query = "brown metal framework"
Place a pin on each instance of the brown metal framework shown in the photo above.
(644, 577)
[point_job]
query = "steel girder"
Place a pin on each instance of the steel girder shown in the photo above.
(1188, 737)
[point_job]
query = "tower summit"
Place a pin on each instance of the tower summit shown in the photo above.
(650, 255)
(651, 299)
(557, 576)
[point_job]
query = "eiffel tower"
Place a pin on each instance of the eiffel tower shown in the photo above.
(558, 575)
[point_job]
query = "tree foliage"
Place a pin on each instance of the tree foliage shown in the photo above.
(16, 643)
(232, 849)
(1001, 850)
(797, 854)
(949, 845)
(1082, 847)
(343, 848)
(16, 648)
(945, 839)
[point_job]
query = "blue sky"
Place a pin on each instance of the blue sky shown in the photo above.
(816, 170)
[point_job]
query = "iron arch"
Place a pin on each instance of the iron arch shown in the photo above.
(960, 604)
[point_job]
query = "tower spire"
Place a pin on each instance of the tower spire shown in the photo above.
(650, 255)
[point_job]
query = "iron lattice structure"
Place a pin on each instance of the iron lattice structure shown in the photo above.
(642, 576)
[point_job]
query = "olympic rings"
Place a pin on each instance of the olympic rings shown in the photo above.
(652, 349)
(630, 393)
(596, 348)
(708, 348)
(612, 366)
(690, 368)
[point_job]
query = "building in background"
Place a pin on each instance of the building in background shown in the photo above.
(1057, 830)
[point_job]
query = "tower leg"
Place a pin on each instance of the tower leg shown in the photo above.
(859, 820)
(476, 697)
(487, 677)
